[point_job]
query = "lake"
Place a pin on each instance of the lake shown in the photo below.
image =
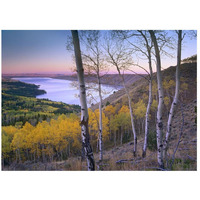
(63, 91)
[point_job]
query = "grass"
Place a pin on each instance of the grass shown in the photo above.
(185, 160)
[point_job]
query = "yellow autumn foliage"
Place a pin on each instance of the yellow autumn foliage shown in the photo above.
(140, 109)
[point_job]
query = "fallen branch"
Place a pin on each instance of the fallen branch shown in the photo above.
(191, 158)
(123, 161)
(133, 160)
(101, 165)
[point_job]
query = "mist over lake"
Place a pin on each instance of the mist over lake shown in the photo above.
(62, 90)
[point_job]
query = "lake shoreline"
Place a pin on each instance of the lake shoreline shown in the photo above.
(61, 90)
(113, 80)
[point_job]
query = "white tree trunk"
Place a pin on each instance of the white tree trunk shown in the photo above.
(175, 100)
(159, 120)
(84, 111)
(131, 114)
(148, 107)
(117, 64)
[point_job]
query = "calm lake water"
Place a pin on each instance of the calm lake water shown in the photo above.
(62, 90)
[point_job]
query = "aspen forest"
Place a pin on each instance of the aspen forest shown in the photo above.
(126, 100)
(99, 100)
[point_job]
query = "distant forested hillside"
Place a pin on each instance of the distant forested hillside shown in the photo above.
(20, 105)
(13, 87)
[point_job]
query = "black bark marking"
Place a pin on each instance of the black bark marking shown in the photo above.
(160, 125)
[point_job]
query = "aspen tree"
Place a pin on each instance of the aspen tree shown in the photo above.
(148, 55)
(119, 57)
(159, 120)
(94, 63)
(84, 110)
(143, 46)
(175, 100)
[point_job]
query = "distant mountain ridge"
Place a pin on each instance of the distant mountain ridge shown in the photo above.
(107, 79)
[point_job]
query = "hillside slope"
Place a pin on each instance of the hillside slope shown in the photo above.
(188, 71)
(20, 105)
(121, 156)
(184, 118)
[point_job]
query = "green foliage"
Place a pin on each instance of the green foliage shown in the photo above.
(152, 142)
(25, 108)
(6, 141)
(107, 103)
(183, 164)
(21, 89)
(192, 58)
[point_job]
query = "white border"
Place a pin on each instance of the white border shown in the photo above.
(104, 14)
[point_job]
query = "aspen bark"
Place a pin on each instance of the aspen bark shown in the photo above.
(131, 114)
(94, 62)
(159, 121)
(84, 111)
(148, 106)
(175, 100)
(148, 55)
(115, 63)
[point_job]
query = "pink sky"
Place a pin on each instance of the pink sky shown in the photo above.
(45, 52)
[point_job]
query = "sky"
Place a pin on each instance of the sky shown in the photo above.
(35, 51)
(44, 51)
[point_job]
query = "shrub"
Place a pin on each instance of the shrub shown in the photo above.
(152, 143)
(107, 103)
